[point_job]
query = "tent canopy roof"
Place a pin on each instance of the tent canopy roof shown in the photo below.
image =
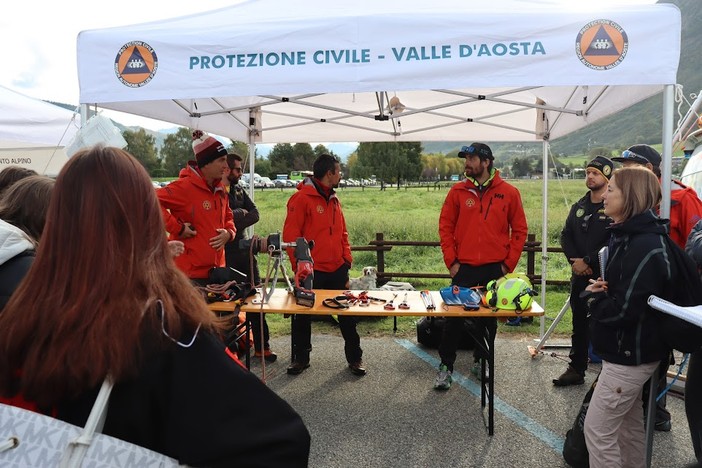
(314, 70)
(27, 122)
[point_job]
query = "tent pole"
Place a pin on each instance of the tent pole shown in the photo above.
(252, 163)
(666, 168)
(544, 235)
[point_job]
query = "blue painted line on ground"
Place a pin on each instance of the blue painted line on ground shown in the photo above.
(540, 432)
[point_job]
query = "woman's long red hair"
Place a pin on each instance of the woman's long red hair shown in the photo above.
(89, 299)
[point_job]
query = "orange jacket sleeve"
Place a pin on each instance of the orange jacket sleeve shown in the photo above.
(170, 198)
(518, 231)
(447, 226)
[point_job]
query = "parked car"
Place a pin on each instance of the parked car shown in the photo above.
(265, 182)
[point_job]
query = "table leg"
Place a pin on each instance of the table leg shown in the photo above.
(247, 329)
(492, 332)
(292, 343)
(486, 341)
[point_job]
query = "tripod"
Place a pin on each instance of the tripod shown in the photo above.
(277, 267)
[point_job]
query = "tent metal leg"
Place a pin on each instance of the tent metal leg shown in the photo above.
(535, 350)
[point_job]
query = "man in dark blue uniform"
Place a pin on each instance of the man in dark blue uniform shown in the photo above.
(583, 235)
(245, 215)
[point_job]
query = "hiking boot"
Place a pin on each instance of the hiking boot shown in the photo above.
(268, 355)
(297, 367)
(663, 426)
(443, 378)
(357, 368)
(569, 377)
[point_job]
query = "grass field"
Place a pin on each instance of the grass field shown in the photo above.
(412, 215)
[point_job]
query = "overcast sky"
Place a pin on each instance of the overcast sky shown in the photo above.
(39, 52)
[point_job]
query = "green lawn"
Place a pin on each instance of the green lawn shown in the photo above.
(412, 215)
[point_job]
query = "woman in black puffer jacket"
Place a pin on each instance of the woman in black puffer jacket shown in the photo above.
(624, 329)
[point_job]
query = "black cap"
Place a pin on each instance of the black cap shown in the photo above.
(641, 154)
(480, 150)
(603, 165)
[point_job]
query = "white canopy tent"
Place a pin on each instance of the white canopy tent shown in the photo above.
(33, 133)
(312, 70)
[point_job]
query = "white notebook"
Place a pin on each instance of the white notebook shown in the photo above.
(692, 314)
(603, 256)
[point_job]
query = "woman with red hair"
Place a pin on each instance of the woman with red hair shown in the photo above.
(104, 297)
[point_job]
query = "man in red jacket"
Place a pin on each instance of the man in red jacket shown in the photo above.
(196, 209)
(482, 228)
(314, 212)
(685, 211)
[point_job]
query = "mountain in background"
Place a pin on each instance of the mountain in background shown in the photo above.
(641, 123)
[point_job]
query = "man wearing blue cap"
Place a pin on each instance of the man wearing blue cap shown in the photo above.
(483, 229)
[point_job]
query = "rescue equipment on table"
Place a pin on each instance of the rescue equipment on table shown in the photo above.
(469, 298)
(510, 292)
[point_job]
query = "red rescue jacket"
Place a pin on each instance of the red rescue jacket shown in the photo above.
(685, 211)
(315, 217)
(479, 227)
(190, 200)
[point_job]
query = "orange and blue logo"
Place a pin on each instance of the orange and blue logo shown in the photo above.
(601, 44)
(136, 64)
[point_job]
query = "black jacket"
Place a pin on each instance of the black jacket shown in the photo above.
(624, 329)
(585, 232)
(199, 406)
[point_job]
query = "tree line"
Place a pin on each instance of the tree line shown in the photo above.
(390, 162)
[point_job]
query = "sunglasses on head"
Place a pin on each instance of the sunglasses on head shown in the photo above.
(626, 154)
(473, 150)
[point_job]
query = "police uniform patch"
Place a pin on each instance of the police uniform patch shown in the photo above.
(580, 213)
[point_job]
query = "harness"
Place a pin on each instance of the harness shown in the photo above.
(348, 299)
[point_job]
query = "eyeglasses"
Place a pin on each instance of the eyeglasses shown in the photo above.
(473, 150)
(626, 154)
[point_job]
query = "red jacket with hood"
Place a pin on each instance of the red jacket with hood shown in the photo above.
(685, 211)
(316, 215)
(478, 227)
(190, 200)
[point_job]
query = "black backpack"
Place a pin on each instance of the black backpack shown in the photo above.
(685, 289)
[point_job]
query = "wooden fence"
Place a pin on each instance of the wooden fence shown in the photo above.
(532, 250)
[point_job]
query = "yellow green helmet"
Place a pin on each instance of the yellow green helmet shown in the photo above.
(514, 294)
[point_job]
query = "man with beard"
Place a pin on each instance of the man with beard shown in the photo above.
(241, 259)
(483, 229)
(584, 234)
(314, 212)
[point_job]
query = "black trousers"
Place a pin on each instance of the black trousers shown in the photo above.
(469, 276)
(302, 323)
(662, 413)
(580, 338)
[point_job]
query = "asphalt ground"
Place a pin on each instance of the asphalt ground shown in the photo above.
(392, 417)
